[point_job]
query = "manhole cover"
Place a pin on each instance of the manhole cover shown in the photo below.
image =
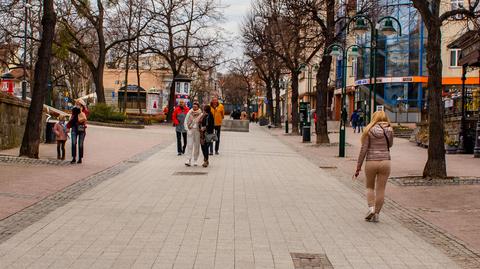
(189, 173)
(309, 260)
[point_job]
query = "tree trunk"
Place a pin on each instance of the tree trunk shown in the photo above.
(276, 85)
(249, 92)
(127, 60)
(435, 166)
(171, 99)
(31, 137)
(138, 88)
(127, 68)
(321, 127)
(323, 73)
(270, 111)
(295, 123)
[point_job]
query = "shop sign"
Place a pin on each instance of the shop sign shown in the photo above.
(448, 103)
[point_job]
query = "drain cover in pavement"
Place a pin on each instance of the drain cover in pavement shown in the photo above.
(189, 173)
(328, 167)
(309, 260)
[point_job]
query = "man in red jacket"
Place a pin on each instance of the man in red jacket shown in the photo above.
(179, 115)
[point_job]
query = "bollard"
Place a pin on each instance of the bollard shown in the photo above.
(306, 134)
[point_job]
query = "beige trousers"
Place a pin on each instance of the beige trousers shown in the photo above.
(377, 173)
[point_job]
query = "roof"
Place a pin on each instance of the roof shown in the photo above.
(463, 40)
(16, 73)
(469, 43)
(131, 88)
(182, 78)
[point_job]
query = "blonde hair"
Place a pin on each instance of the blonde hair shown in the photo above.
(379, 116)
(61, 117)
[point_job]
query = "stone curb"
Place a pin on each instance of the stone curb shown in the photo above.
(418, 181)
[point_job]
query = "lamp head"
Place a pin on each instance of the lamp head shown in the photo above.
(360, 27)
(387, 28)
(335, 52)
(354, 53)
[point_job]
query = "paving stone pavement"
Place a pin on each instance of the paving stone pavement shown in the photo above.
(259, 202)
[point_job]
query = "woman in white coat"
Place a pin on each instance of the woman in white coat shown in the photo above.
(193, 134)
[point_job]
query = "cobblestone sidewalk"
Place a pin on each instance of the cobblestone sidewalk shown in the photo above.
(259, 204)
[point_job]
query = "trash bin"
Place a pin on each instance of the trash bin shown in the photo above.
(50, 135)
(306, 134)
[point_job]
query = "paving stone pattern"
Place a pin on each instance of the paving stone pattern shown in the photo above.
(449, 244)
(259, 202)
(19, 221)
(5, 159)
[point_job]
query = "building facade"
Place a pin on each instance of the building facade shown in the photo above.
(400, 65)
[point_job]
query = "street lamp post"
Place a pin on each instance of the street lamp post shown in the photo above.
(285, 86)
(387, 29)
(24, 81)
(461, 144)
(337, 50)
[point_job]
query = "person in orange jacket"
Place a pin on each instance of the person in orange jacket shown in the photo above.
(179, 115)
(218, 114)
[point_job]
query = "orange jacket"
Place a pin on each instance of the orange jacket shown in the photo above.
(218, 114)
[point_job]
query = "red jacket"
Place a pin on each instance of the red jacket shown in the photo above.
(178, 111)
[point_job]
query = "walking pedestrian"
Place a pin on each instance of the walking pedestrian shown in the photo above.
(218, 115)
(179, 115)
(354, 121)
(192, 122)
(60, 130)
(377, 139)
(207, 133)
(78, 126)
(360, 121)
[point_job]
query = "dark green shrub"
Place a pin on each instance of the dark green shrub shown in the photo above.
(105, 113)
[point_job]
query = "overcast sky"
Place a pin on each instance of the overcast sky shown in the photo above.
(234, 14)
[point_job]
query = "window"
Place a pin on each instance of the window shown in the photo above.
(454, 56)
(353, 73)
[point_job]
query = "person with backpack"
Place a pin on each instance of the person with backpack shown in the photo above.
(179, 115)
(377, 139)
(354, 121)
(360, 121)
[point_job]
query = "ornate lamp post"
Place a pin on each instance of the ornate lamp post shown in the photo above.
(337, 50)
(385, 26)
(25, 32)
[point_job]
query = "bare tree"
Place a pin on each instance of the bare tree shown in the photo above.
(430, 10)
(244, 69)
(267, 64)
(186, 32)
(31, 136)
(296, 42)
(234, 89)
(86, 32)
